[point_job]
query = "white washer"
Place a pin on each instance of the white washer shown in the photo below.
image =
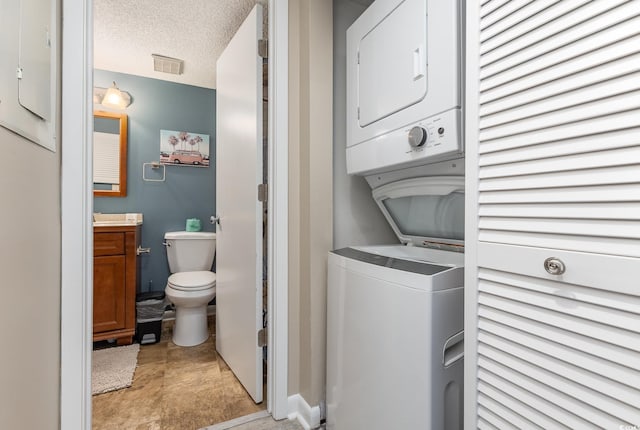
(395, 315)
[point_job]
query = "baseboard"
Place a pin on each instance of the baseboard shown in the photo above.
(238, 421)
(307, 416)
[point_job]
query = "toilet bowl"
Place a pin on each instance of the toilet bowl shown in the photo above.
(190, 292)
(191, 286)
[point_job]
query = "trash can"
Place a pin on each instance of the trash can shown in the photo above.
(149, 310)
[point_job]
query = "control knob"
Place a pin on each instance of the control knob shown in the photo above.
(417, 137)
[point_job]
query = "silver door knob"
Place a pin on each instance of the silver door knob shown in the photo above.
(554, 266)
(215, 219)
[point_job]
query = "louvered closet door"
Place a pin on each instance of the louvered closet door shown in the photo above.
(553, 170)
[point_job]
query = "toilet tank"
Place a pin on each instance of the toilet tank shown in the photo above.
(190, 251)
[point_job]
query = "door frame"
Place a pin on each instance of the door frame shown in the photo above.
(278, 211)
(77, 208)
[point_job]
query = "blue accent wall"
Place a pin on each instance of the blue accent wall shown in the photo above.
(188, 192)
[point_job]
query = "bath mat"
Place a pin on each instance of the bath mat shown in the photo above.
(112, 368)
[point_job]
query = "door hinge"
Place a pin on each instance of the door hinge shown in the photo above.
(358, 59)
(262, 337)
(263, 192)
(263, 48)
(19, 73)
(358, 112)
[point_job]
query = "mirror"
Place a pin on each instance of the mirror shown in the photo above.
(109, 154)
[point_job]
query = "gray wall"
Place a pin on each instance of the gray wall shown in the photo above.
(310, 192)
(356, 217)
(30, 267)
(188, 192)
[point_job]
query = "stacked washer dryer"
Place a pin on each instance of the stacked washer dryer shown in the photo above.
(395, 312)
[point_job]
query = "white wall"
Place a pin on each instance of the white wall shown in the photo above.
(30, 244)
(30, 267)
(356, 217)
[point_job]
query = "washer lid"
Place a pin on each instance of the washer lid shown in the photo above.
(192, 281)
(421, 268)
(425, 211)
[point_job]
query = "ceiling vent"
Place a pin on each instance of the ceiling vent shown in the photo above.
(167, 64)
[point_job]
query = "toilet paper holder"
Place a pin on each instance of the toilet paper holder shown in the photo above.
(154, 166)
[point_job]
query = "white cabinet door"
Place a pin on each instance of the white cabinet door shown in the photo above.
(239, 232)
(553, 172)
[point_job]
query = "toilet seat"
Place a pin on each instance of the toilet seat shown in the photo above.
(192, 281)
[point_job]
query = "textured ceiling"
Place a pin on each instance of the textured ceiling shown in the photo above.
(127, 32)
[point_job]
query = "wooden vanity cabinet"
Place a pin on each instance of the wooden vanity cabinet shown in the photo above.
(116, 276)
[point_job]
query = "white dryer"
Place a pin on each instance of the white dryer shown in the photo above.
(404, 85)
(395, 315)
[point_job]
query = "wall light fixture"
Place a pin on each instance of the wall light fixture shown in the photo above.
(111, 97)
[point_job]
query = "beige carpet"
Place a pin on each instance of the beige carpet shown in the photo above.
(112, 368)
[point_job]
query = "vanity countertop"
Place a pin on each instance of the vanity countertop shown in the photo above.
(117, 220)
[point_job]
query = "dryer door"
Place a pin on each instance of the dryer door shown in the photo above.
(427, 209)
(392, 63)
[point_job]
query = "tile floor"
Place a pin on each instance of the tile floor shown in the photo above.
(175, 388)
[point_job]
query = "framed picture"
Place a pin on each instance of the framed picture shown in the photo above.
(183, 148)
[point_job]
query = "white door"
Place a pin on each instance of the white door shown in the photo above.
(239, 232)
(552, 253)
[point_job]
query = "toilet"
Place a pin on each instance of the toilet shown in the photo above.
(191, 285)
